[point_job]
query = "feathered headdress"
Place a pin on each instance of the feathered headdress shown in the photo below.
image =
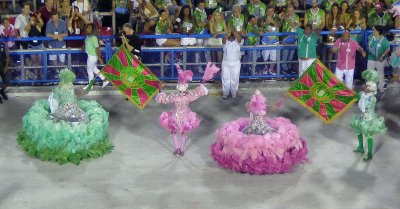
(257, 104)
(184, 76)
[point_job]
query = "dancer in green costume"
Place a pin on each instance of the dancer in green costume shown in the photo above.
(64, 129)
(368, 123)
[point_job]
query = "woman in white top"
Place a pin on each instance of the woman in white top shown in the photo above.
(231, 64)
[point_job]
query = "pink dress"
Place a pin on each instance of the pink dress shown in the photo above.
(181, 119)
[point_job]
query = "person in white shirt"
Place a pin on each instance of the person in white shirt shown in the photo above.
(22, 24)
(231, 64)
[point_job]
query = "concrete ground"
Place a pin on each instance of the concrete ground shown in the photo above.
(142, 173)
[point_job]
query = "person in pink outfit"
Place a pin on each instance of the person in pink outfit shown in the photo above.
(181, 120)
(346, 49)
(259, 145)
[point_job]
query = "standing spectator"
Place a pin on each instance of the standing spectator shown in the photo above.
(217, 27)
(7, 30)
(22, 27)
(231, 64)
(379, 48)
(92, 49)
(315, 17)
(149, 15)
(290, 22)
(271, 24)
(36, 31)
(186, 25)
(257, 9)
(346, 59)
(46, 12)
(76, 25)
(236, 21)
(200, 27)
(131, 40)
(57, 30)
(64, 9)
(379, 17)
(164, 27)
(307, 47)
(4, 61)
(122, 12)
(356, 22)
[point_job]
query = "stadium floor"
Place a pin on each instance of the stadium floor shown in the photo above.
(141, 172)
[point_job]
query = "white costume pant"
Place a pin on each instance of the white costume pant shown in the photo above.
(304, 64)
(348, 76)
(92, 67)
(380, 67)
(230, 77)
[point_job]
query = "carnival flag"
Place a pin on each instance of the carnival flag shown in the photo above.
(320, 91)
(131, 77)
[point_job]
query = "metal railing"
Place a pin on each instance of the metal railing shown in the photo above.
(154, 57)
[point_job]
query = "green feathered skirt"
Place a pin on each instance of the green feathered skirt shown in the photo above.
(64, 142)
(368, 128)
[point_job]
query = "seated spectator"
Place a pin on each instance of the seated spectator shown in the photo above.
(57, 30)
(36, 31)
(64, 9)
(164, 27)
(333, 22)
(186, 25)
(76, 25)
(315, 17)
(379, 17)
(169, 5)
(217, 27)
(271, 24)
(149, 15)
(7, 31)
(131, 40)
(356, 22)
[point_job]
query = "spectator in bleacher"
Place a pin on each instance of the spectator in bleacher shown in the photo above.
(4, 62)
(333, 22)
(122, 12)
(186, 25)
(131, 40)
(46, 12)
(77, 22)
(7, 30)
(326, 5)
(290, 22)
(36, 31)
(307, 47)
(22, 24)
(315, 17)
(270, 24)
(64, 9)
(378, 49)
(149, 15)
(92, 49)
(57, 30)
(344, 13)
(356, 22)
(201, 27)
(307, 4)
(379, 17)
(211, 6)
(236, 21)
(217, 27)
(346, 49)
(253, 39)
(164, 27)
(257, 9)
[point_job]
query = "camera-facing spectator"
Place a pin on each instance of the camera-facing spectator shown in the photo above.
(76, 25)
(164, 27)
(57, 30)
(36, 31)
(315, 16)
(7, 30)
(186, 25)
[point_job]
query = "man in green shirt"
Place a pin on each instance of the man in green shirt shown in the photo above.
(200, 27)
(236, 21)
(257, 9)
(290, 22)
(315, 17)
(307, 47)
(379, 48)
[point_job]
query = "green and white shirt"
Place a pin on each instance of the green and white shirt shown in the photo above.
(307, 45)
(200, 16)
(91, 43)
(285, 25)
(252, 40)
(236, 23)
(377, 46)
(315, 18)
(257, 10)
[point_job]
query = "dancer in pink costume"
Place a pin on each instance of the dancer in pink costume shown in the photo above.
(181, 120)
(259, 145)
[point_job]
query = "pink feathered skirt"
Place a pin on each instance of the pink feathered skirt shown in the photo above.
(271, 153)
(169, 122)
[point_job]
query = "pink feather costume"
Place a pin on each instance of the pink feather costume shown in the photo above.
(259, 145)
(181, 120)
